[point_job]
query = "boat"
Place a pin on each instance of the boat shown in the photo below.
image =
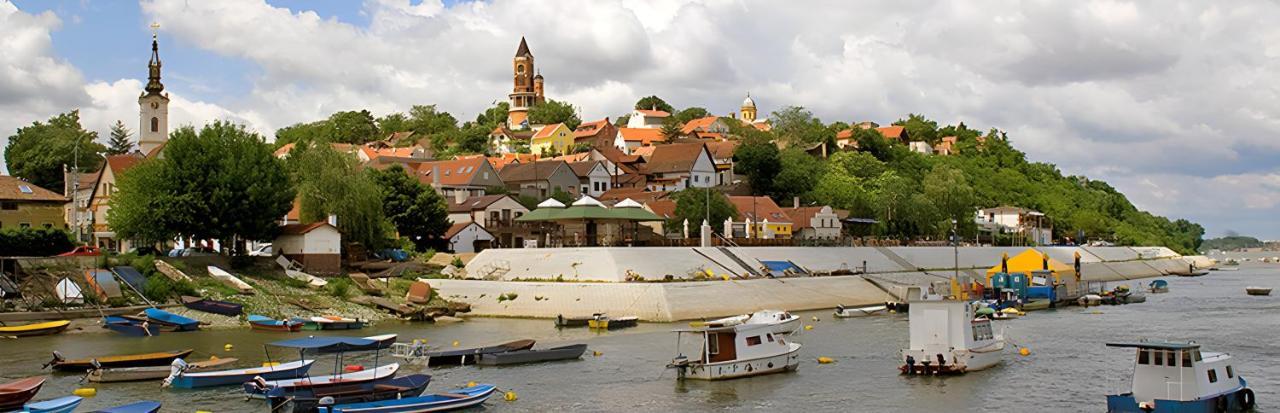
(16, 393)
(258, 322)
(35, 329)
(137, 407)
(185, 380)
(330, 322)
(1228, 268)
(603, 322)
(1158, 287)
(60, 363)
(562, 321)
(230, 280)
(1037, 304)
(439, 402)
(742, 350)
(125, 374)
(469, 356)
(1257, 290)
(282, 401)
(947, 338)
(59, 405)
(131, 277)
(180, 323)
(848, 312)
(1089, 300)
(103, 283)
(212, 306)
(68, 292)
(1177, 377)
(258, 388)
(569, 352)
(132, 327)
(311, 280)
(782, 322)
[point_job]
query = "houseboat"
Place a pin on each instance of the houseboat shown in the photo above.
(947, 338)
(740, 350)
(1177, 377)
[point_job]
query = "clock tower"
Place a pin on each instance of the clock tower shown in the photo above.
(527, 89)
(153, 106)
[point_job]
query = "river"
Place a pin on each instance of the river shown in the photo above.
(1069, 368)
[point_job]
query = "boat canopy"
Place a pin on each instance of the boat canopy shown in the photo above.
(328, 344)
(1158, 345)
(1029, 261)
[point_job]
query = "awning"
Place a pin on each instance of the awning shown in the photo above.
(329, 344)
(578, 213)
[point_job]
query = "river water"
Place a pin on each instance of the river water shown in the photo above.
(1069, 368)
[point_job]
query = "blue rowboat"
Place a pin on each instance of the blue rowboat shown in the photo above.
(139, 407)
(306, 400)
(213, 306)
(290, 370)
(132, 328)
(439, 402)
(58, 405)
(180, 323)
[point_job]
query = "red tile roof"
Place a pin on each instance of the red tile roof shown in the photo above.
(722, 149)
(455, 172)
(589, 129)
(532, 171)
(546, 131)
(456, 228)
(583, 169)
(646, 136)
(11, 189)
(643, 151)
(892, 132)
(121, 163)
(653, 113)
(800, 217)
(500, 162)
(699, 124)
(758, 208)
(474, 203)
(676, 157)
(665, 208)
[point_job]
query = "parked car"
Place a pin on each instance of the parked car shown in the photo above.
(82, 251)
(263, 250)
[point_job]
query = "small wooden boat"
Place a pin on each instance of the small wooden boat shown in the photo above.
(258, 322)
(170, 271)
(439, 402)
(132, 327)
(138, 407)
(230, 280)
(311, 280)
(1257, 290)
(58, 405)
(125, 374)
(283, 401)
(165, 318)
(849, 312)
(601, 321)
(16, 393)
(130, 360)
(533, 356)
(469, 356)
(185, 380)
(1158, 287)
(562, 321)
(103, 283)
(35, 329)
(257, 388)
(212, 306)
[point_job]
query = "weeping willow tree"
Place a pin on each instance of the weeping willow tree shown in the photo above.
(331, 183)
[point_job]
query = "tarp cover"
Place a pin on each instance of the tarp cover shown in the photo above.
(328, 344)
(131, 276)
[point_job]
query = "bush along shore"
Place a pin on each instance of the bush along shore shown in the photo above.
(275, 295)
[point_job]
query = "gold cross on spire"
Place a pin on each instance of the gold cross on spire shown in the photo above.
(155, 26)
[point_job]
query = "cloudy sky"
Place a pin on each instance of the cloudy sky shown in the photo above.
(1173, 102)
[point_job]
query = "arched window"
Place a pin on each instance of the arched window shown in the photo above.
(155, 124)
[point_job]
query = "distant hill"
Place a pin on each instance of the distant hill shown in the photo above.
(1230, 243)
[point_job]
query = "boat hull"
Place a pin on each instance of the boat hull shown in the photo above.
(433, 403)
(258, 389)
(860, 311)
(139, 407)
(1234, 401)
(230, 377)
(470, 356)
(136, 360)
(14, 394)
(306, 401)
(212, 306)
(114, 375)
(177, 322)
(1257, 291)
(789, 361)
(562, 321)
(37, 329)
(960, 362)
(60, 405)
(533, 356)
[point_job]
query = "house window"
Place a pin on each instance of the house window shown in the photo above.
(713, 343)
(753, 341)
(1213, 375)
(155, 124)
(9, 206)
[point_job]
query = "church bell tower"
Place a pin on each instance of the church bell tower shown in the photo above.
(153, 105)
(527, 88)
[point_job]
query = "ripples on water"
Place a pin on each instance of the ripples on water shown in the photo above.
(1069, 369)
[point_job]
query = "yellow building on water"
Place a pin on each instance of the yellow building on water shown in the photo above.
(554, 138)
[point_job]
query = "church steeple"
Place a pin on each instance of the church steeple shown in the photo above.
(154, 86)
(153, 105)
(524, 49)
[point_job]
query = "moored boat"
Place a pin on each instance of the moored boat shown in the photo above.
(781, 322)
(130, 326)
(16, 393)
(568, 352)
(282, 401)
(1089, 300)
(124, 374)
(179, 323)
(230, 280)
(1158, 287)
(136, 407)
(212, 306)
(604, 322)
(1257, 290)
(188, 380)
(66, 404)
(848, 312)
(439, 402)
(469, 356)
(741, 350)
(331, 322)
(1177, 377)
(947, 338)
(258, 388)
(35, 329)
(562, 321)
(60, 363)
(264, 323)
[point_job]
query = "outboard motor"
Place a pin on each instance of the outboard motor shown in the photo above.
(911, 365)
(175, 368)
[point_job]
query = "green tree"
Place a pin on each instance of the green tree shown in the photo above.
(670, 130)
(758, 159)
(332, 183)
(858, 164)
(119, 143)
(493, 116)
(353, 127)
(873, 142)
(414, 209)
(553, 111)
(654, 103)
(692, 204)
(303, 134)
(919, 128)
(796, 176)
(797, 126)
(841, 190)
(687, 114)
(621, 120)
(472, 139)
(38, 152)
(393, 122)
(949, 191)
(426, 120)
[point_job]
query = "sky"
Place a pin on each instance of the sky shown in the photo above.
(1175, 103)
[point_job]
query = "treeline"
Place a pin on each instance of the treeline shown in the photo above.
(1231, 243)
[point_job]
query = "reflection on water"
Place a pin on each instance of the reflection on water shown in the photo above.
(1069, 368)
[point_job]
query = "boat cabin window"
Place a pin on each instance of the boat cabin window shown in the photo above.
(982, 331)
(753, 341)
(1230, 373)
(1159, 357)
(770, 336)
(1144, 356)
(1213, 375)
(1186, 358)
(713, 343)
(1195, 353)
(1170, 358)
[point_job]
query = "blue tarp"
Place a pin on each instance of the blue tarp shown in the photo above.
(131, 276)
(328, 344)
(780, 268)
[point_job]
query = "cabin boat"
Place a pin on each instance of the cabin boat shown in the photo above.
(781, 322)
(947, 338)
(741, 350)
(1177, 377)
(849, 312)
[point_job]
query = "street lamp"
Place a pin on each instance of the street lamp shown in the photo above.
(955, 247)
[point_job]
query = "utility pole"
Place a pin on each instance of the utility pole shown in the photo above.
(955, 247)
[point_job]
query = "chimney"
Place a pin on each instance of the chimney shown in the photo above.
(435, 176)
(459, 196)
(333, 220)
(795, 202)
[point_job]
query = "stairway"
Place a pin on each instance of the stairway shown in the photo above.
(750, 268)
(906, 266)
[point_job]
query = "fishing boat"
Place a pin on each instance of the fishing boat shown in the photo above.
(59, 405)
(569, 352)
(212, 306)
(165, 318)
(192, 380)
(741, 350)
(131, 327)
(604, 322)
(35, 329)
(562, 321)
(230, 280)
(439, 402)
(16, 393)
(848, 312)
(282, 401)
(257, 388)
(1177, 377)
(60, 363)
(307, 385)
(125, 374)
(137, 407)
(1257, 290)
(469, 356)
(1158, 287)
(330, 322)
(264, 323)
(781, 322)
(947, 338)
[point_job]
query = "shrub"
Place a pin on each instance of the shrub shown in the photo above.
(340, 288)
(34, 242)
(457, 262)
(160, 288)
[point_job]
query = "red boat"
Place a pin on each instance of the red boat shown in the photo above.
(14, 394)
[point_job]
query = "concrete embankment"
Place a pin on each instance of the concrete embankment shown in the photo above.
(581, 281)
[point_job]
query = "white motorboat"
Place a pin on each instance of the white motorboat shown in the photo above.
(230, 280)
(1089, 299)
(740, 350)
(782, 322)
(1177, 377)
(848, 312)
(946, 338)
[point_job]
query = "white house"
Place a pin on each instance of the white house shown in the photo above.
(592, 176)
(921, 147)
(1033, 226)
(814, 222)
(647, 118)
(678, 166)
(318, 246)
(468, 237)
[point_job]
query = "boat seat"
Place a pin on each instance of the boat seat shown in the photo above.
(452, 395)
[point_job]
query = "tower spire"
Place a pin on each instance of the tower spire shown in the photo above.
(153, 67)
(523, 50)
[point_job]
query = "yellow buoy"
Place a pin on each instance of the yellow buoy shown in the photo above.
(510, 396)
(85, 392)
(228, 347)
(597, 353)
(725, 277)
(455, 343)
(825, 360)
(1024, 352)
(471, 384)
(808, 327)
(815, 318)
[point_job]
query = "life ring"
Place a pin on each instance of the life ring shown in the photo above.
(1246, 399)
